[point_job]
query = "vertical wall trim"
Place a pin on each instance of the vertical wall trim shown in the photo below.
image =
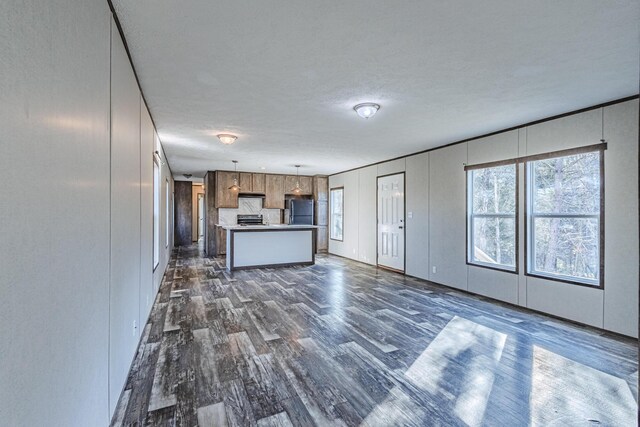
(139, 212)
(466, 219)
(110, 214)
(602, 218)
(526, 242)
(429, 207)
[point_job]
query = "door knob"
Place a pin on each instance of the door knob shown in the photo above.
(401, 227)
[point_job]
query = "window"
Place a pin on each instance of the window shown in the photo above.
(563, 219)
(492, 225)
(166, 225)
(337, 213)
(156, 213)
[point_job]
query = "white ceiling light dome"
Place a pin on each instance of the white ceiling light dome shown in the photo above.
(367, 109)
(227, 138)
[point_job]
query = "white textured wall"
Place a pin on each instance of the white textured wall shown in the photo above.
(147, 294)
(436, 195)
(55, 259)
(417, 201)
(125, 218)
(621, 222)
(496, 284)
(367, 196)
(54, 237)
(165, 246)
(349, 246)
(447, 216)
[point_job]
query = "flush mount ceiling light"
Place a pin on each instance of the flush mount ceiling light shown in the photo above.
(227, 138)
(367, 109)
(297, 189)
(235, 186)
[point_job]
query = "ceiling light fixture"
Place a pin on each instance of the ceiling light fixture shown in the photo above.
(235, 186)
(367, 109)
(297, 189)
(227, 138)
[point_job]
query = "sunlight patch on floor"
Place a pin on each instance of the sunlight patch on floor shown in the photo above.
(568, 393)
(477, 349)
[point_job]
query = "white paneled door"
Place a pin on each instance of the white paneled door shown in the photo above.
(391, 221)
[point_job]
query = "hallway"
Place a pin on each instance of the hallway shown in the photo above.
(343, 343)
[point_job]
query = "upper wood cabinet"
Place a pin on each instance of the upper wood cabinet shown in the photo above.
(257, 183)
(246, 182)
(225, 198)
(274, 192)
(306, 184)
(251, 182)
(321, 188)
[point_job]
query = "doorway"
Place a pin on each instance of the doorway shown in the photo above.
(200, 216)
(391, 225)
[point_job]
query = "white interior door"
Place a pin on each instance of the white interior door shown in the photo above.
(391, 221)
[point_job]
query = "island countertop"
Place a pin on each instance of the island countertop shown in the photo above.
(255, 246)
(273, 227)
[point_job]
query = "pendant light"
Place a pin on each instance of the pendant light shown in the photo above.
(297, 189)
(235, 186)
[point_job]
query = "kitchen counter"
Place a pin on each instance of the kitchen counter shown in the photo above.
(266, 227)
(278, 245)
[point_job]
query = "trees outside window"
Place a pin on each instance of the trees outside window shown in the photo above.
(491, 208)
(337, 212)
(563, 218)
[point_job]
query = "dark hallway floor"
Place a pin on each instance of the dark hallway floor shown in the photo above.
(343, 343)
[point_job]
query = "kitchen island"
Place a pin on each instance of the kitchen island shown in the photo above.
(256, 246)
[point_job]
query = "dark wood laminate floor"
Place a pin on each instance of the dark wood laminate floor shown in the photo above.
(342, 343)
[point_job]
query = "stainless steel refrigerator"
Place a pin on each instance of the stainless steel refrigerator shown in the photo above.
(301, 211)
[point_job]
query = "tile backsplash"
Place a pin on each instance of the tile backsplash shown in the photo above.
(248, 205)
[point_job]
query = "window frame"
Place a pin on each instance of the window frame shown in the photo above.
(167, 192)
(529, 233)
(331, 190)
(470, 216)
(157, 173)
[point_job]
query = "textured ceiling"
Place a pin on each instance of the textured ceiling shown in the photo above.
(283, 75)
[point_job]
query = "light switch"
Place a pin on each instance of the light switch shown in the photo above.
(409, 215)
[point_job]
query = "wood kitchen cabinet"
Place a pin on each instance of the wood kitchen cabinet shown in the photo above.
(321, 197)
(321, 188)
(322, 239)
(306, 184)
(246, 182)
(226, 198)
(274, 192)
(221, 241)
(257, 181)
(251, 182)
(322, 212)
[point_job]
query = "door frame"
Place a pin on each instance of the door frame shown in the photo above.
(404, 229)
(199, 198)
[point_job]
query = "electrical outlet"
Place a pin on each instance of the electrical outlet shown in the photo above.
(434, 269)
